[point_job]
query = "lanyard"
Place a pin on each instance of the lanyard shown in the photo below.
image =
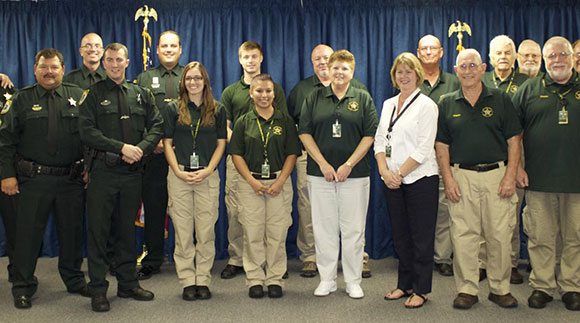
(265, 140)
(392, 122)
(194, 133)
(509, 85)
(555, 92)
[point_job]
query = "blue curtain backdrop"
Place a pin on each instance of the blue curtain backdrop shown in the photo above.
(211, 31)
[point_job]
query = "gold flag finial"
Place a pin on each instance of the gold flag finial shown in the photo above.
(146, 12)
(459, 27)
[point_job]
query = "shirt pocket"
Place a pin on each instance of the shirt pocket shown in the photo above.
(36, 123)
(138, 118)
(107, 118)
(70, 120)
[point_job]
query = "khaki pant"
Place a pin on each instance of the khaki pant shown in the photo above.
(265, 221)
(479, 213)
(305, 240)
(551, 216)
(232, 204)
(515, 243)
(443, 247)
(194, 208)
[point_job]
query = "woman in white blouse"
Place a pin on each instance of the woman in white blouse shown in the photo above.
(405, 154)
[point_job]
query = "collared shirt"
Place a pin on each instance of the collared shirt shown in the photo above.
(100, 117)
(446, 83)
(237, 101)
(80, 76)
(540, 73)
(509, 86)
(552, 150)
(25, 128)
(155, 79)
(413, 135)
(357, 116)
(246, 140)
(477, 134)
(206, 138)
(308, 85)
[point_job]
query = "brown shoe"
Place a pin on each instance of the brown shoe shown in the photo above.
(309, 269)
(366, 271)
(516, 278)
(505, 301)
(464, 301)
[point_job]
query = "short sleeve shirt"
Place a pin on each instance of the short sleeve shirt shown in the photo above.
(446, 83)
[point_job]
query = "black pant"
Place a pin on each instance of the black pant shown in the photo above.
(155, 205)
(113, 198)
(38, 196)
(413, 212)
(8, 214)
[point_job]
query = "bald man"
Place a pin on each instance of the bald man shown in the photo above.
(529, 58)
(91, 71)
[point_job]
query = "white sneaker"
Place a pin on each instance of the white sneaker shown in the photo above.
(325, 288)
(354, 291)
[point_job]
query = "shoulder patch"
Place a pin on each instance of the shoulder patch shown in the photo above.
(83, 97)
(6, 107)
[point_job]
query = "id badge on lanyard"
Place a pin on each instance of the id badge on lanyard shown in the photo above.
(194, 160)
(336, 130)
(265, 169)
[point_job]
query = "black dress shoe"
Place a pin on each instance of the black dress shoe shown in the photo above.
(136, 293)
(83, 291)
(572, 301)
(256, 291)
(275, 291)
(189, 293)
(231, 271)
(444, 269)
(203, 292)
(99, 303)
(146, 272)
(516, 278)
(482, 274)
(22, 302)
(539, 299)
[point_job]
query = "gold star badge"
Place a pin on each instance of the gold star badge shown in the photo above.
(487, 112)
(513, 88)
(277, 130)
(577, 95)
(353, 106)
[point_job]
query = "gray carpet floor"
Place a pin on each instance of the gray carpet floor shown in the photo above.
(230, 302)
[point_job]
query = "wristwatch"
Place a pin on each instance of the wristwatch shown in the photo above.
(399, 173)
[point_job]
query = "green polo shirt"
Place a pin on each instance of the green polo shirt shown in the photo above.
(510, 85)
(357, 116)
(182, 135)
(246, 140)
(446, 83)
(479, 134)
(155, 79)
(303, 88)
(100, 127)
(540, 73)
(25, 128)
(237, 101)
(80, 76)
(552, 150)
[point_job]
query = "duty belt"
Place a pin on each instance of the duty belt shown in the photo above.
(30, 169)
(481, 167)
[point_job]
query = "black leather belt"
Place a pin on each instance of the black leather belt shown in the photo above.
(481, 167)
(189, 169)
(259, 176)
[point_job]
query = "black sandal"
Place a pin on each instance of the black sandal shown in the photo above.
(405, 294)
(425, 299)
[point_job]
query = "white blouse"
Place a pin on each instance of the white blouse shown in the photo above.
(413, 135)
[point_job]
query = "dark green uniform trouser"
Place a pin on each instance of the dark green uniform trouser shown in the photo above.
(38, 196)
(8, 214)
(155, 204)
(113, 198)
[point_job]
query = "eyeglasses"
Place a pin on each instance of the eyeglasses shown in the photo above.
(427, 48)
(92, 46)
(471, 66)
(196, 78)
(533, 56)
(553, 56)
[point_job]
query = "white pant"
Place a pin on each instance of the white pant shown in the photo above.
(339, 209)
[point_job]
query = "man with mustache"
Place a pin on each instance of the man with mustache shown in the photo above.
(548, 109)
(91, 71)
(502, 56)
(529, 58)
(163, 81)
(40, 161)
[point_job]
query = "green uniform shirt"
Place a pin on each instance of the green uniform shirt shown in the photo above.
(304, 88)
(246, 140)
(552, 150)
(540, 73)
(357, 116)
(477, 135)
(237, 101)
(155, 79)
(5, 95)
(25, 128)
(100, 126)
(182, 135)
(446, 83)
(510, 85)
(80, 76)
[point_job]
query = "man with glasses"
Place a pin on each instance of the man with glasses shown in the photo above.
(529, 58)
(91, 71)
(438, 83)
(479, 136)
(548, 108)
